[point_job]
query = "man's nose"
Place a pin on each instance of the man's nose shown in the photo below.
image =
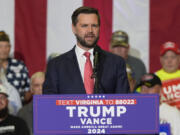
(90, 29)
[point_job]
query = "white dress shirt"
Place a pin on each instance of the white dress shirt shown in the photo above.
(82, 59)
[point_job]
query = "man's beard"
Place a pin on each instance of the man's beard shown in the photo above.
(4, 112)
(84, 43)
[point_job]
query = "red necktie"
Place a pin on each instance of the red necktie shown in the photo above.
(88, 71)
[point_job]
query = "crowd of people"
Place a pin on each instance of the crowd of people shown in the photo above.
(165, 81)
(17, 88)
(16, 92)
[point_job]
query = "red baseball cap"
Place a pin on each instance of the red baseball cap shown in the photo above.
(169, 46)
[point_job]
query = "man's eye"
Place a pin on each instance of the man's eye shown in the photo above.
(84, 25)
(94, 25)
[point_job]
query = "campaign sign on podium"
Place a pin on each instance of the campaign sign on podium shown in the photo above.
(96, 114)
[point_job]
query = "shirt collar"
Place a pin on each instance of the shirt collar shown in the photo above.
(81, 52)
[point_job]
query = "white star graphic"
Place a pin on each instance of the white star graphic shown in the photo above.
(14, 60)
(9, 75)
(24, 75)
(18, 75)
(23, 82)
(16, 83)
(20, 66)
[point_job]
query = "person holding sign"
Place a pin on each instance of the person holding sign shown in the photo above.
(86, 68)
(170, 73)
(151, 84)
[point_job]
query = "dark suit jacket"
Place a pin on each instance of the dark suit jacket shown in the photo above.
(63, 74)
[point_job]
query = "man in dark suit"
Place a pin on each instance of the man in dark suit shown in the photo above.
(72, 72)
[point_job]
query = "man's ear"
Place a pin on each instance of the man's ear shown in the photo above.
(161, 60)
(73, 29)
(7, 101)
(10, 45)
(128, 47)
(179, 58)
(110, 48)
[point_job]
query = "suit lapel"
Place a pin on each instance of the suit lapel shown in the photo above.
(76, 69)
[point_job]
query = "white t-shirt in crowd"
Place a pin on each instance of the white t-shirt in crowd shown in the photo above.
(170, 115)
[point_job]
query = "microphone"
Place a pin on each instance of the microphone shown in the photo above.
(95, 53)
(98, 87)
(95, 69)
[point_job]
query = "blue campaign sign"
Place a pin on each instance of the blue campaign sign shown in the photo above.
(164, 129)
(96, 114)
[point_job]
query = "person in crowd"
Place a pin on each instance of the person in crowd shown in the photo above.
(86, 68)
(36, 84)
(14, 98)
(119, 45)
(52, 56)
(9, 124)
(15, 71)
(151, 84)
(170, 73)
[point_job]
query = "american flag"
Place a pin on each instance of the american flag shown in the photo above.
(38, 28)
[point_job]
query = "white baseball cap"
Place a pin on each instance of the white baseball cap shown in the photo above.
(3, 90)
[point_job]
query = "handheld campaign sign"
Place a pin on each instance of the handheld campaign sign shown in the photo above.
(96, 114)
(164, 129)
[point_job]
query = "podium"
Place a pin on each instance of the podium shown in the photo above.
(96, 114)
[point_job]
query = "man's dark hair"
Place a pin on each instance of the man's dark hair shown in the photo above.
(4, 36)
(84, 10)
